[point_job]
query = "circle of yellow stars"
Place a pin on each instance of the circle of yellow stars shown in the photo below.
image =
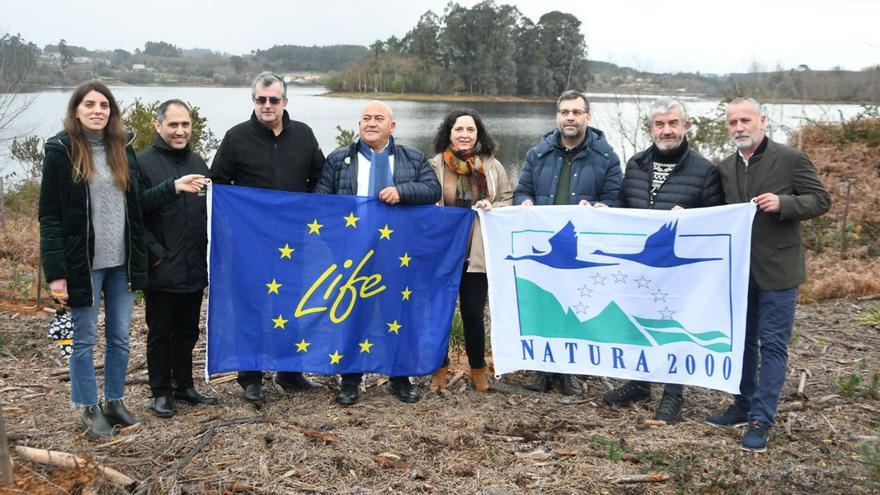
(286, 252)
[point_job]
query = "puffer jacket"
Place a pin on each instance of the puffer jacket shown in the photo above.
(413, 177)
(499, 194)
(693, 183)
(595, 171)
(176, 232)
(67, 236)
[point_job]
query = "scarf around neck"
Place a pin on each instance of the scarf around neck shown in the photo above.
(380, 167)
(468, 166)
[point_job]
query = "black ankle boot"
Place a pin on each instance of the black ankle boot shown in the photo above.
(95, 424)
(117, 414)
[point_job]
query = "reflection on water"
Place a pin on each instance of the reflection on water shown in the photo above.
(516, 126)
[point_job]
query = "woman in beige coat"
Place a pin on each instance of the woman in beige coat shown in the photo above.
(470, 176)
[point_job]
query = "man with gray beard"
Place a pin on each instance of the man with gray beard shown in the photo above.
(667, 176)
(783, 183)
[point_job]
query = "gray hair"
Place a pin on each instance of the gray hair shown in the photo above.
(665, 105)
(573, 94)
(266, 79)
(163, 108)
(747, 99)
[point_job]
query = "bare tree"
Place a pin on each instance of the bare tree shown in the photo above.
(17, 60)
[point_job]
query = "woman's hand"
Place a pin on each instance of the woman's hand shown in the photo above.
(58, 289)
(483, 204)
(191, 183)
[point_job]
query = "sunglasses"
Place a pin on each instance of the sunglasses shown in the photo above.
(261, 100)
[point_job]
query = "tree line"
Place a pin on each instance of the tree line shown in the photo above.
(486, 49)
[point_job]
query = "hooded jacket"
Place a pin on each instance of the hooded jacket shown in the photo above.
(595, 171)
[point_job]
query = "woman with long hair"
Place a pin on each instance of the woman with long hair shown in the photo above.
(92, 244)
(470, 176)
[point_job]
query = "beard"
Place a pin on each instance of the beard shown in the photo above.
(745, 142)
(665, 145)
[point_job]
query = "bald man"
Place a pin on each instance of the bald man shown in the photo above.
(375, 166)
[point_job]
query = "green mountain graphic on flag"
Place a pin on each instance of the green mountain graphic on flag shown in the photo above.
(542, 315)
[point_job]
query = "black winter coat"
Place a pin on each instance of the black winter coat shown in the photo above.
(413, 176)
(176, 232)
(693, 183)
(252, 155)
(67, 236)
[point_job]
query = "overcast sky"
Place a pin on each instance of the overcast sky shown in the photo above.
(660, 36)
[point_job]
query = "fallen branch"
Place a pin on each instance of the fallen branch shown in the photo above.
(803, 383)
(65, 460)
(503, 438)
(641, 478)
(455, 378)
(230, 377)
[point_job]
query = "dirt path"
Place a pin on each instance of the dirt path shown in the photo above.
(510, 441)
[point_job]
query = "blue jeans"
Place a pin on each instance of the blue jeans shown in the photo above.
(769, 321)
(118, 303)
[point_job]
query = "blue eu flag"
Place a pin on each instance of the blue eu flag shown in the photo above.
(330, 284)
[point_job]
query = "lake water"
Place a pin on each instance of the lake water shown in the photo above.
(516, 126)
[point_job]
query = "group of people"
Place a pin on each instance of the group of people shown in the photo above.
(112, 222)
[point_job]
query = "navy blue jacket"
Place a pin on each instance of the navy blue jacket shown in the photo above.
(595, 171)
(413, 177)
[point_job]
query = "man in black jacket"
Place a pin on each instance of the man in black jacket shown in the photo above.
(177, 241)
(270, 151)
(376, 166)
(667, 176)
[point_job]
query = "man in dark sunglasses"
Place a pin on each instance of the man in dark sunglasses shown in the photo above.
(270, 151)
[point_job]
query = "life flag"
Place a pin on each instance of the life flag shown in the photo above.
(330, 284)
(626, 293)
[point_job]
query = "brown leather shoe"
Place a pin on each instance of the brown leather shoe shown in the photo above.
(438, 381)
(480, 379)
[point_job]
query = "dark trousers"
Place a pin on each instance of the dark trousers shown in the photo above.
(472, 294)
(769, 321)
(173, 322)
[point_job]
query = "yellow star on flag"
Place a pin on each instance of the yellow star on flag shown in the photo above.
(404, 260)
(273, 287)
(335, 358)
(314, 227)
(394, 327)
(351, 220)
(406, 293)
(279, 322)
(365, 345)
(303, 346)
(286, 250)
(385, 233)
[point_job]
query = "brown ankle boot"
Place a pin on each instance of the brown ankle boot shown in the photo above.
(438, 381)
(480, 379)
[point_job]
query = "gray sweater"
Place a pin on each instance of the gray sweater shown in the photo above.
(107, 209)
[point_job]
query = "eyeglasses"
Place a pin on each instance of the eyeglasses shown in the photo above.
(261, 100)
(576, 113)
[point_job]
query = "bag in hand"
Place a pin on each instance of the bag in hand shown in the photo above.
(61, 331)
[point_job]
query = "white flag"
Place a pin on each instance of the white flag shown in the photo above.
(640, 294)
